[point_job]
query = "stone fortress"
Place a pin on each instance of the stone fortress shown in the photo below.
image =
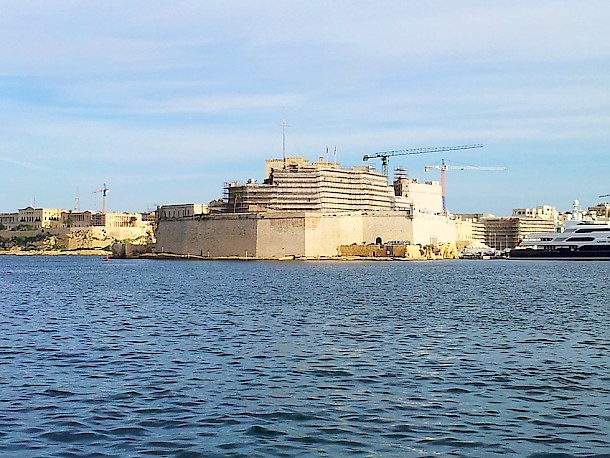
(316, 210)
(308, 210)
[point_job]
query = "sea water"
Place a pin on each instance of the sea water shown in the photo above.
(245, 358)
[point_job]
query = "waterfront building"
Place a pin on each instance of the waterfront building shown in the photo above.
(99, 219)
(117, 219)
(9, 220)
(76, 219)
(600, 211)
(470, 230)
(181, 211)
(506, 232)
(44, 218)
(38, 218)
(546, 212)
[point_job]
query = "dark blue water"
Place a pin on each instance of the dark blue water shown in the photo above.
(186, 359)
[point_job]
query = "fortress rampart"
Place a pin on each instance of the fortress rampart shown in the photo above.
(274, 235)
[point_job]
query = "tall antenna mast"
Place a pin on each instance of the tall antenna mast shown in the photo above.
(284, 125)
(77, 201)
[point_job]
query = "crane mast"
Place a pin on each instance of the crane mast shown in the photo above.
(104, 190)
(385, 155)
(444, 167)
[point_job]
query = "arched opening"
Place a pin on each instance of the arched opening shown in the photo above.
(378, 241)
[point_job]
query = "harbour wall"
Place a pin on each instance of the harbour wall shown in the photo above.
(275, 235)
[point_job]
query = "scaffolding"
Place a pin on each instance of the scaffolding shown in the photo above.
(311, 188)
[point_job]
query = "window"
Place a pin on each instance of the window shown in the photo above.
(588, 231)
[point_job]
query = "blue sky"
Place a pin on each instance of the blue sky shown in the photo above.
(166, 101)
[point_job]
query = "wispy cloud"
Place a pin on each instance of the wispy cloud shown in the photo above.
(100, 85)
(24, 165)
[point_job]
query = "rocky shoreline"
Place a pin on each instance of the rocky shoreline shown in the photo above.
(92, 252)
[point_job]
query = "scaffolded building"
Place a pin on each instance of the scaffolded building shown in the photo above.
(296, 185)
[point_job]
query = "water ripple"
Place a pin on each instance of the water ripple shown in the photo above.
(140, 358)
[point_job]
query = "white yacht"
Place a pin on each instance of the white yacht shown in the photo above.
(575, 239)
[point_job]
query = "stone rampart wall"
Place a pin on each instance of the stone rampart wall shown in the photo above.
(301, 234)
(433, 229)
(387, 226)
(324, 233)
(229, 235)
(281, 234)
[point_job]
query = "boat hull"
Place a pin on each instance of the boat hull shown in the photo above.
(588, 253)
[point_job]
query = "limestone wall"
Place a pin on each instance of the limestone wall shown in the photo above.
(281, 234)
(324, 233)
(387, 226)
(299, 234)
(411, 252)
(229, 235)
(433, 229)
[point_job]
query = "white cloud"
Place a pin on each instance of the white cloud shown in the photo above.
(192, 83)
(218, 104)
(18, 164)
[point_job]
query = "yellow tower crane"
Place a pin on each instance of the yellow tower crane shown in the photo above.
(444, 167)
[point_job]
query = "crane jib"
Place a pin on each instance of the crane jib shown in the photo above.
(384, 155)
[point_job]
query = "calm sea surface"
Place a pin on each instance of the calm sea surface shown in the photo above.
(187, 359)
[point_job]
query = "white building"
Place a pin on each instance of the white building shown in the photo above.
(545, 212)
(423, 197)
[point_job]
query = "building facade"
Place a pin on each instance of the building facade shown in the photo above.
(423, 197)
(117, 219)
(181, 211)
(9, 220)
(38, 218)
(76, 219)
(546, 212)
(600, 211)
(317, 187)
(506, 232)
